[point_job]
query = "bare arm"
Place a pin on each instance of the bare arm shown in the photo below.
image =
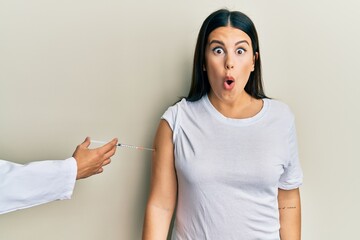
(91, 161)
(162, 198)
(290, 214)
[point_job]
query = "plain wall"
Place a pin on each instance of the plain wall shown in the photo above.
(71, 69)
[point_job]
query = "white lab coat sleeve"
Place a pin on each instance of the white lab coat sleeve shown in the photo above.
(23, 186)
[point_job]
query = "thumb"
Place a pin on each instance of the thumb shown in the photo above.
(86, 142)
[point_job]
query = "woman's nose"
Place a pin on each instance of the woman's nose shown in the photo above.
(229, 63)
(229, 66)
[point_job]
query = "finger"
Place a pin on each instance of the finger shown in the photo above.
(110, 153)
(106, 162)
(100, 170)
(86, 143)
(108, 146)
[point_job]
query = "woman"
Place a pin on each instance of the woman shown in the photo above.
(226, 154)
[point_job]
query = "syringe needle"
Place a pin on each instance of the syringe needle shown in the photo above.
(125, 145)
(136, 147)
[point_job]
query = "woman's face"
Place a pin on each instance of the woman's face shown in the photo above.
(229, 60)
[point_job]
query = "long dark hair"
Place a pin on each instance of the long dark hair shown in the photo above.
(200, 83)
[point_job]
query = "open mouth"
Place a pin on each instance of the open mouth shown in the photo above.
(229, 82)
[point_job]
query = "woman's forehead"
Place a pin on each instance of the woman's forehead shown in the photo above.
(228, 33)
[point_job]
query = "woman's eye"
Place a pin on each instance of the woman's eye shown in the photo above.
(240, 51)
(218, 50)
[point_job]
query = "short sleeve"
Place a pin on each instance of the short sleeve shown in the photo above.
(172, 115)
(292, 176)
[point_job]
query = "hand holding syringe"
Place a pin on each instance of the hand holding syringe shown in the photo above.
(125, 145)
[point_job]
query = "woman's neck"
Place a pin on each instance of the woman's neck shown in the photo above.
(241, 107)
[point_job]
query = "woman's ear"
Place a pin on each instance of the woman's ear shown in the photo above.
(256, 56)
(204, 68)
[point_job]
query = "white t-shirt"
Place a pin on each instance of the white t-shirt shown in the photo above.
(23, 186)
(229, 170)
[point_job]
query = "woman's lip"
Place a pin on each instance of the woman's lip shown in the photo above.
(229, 83)
(229, 78)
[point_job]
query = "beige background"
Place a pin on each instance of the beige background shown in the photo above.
(71, 69)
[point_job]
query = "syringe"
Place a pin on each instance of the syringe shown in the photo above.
(125, 145)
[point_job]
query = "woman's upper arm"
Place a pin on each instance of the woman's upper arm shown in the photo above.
(162, 198)
(163, 176)
(286, 196)
(290, 214)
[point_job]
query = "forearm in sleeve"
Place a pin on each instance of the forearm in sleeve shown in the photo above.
(23, 186)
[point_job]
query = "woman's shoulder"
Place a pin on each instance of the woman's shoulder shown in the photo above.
(179, 104)
(173, 110)
(280, 108)
(184, 105)
(176, 113)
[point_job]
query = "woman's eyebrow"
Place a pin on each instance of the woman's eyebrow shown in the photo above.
(242, 41)
(221, 43)
(217, 42)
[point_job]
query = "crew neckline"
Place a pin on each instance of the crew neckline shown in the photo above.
(236, 121)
